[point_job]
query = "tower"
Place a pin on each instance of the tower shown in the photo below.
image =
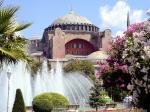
(128, 19)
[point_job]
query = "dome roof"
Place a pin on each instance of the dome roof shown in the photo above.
(98, 55)
(71, 18)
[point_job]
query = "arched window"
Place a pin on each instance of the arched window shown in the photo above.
(64, 27)
(80, 45)
(85, 28)
(89, 28)
(92, 28)
(74, 45)
(81, 27)
(77, 27)
(73, 27)
(68, 27)
(52, 27)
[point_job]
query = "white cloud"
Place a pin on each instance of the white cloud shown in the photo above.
(116, 17)
(119, 33)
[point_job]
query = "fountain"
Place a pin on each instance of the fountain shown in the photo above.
(74, 86)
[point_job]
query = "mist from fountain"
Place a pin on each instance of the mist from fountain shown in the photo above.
(74, 86)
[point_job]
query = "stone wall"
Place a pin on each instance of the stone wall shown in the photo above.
(55, 41)
(106, 40)
(58, 48)
(79, 35)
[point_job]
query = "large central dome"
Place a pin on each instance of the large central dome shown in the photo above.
(71, 18)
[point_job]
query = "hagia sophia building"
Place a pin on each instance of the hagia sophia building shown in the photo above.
(73, 36)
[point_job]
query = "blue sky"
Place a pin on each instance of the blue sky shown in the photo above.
(103, 13)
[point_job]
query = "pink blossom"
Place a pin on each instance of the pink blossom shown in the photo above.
(97, 74)
(134, 27)
(104, 68)
(116, 65)
(124, 68)
(120, 79)
(97, 62)
(122, 85)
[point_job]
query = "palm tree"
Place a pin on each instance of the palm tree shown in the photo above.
(12, 47)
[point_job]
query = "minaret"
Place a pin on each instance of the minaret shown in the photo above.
(128, 20)
(148, 13)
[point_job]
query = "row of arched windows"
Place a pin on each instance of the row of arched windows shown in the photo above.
(78, 52)
(76, 45)
(75, 27)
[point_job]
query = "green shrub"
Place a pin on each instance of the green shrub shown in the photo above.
(35, 66)
(105, 99)
(98, 95)
(19, 105)
(94, 98)
(47, 101)
(85, 67)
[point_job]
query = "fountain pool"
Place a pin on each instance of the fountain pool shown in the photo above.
(74, 86)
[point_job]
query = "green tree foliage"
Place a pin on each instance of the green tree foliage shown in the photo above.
(85, 67)
(47, 101)
(12, 47)
(104, 98)
(34, 66)
(19, 105)
(98, 96)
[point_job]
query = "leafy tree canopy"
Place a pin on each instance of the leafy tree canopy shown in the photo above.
(85, 67)
(12, 47)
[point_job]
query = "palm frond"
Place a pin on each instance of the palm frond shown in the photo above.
(12, 47)
(22, 26)
(7, 13)
(7, 56)
(8, 23)
(5, 51)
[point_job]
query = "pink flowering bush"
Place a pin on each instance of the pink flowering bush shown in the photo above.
(129, 64)
(137, 56)
(113, 71)
(115, 78)
(136, 27)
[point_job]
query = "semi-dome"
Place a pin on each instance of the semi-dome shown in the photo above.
(98, 55)
(71, 18)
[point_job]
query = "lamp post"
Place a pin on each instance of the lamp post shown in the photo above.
(8, 76)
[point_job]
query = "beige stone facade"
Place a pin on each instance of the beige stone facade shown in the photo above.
(73, 35)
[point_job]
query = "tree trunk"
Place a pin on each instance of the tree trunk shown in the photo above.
(96, 108)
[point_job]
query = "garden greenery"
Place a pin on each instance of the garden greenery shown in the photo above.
(47, 101)
(98, 96)
(84, 67)
(19, 105)
(35, 66)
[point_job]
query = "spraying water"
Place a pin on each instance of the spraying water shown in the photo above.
(74, 86)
